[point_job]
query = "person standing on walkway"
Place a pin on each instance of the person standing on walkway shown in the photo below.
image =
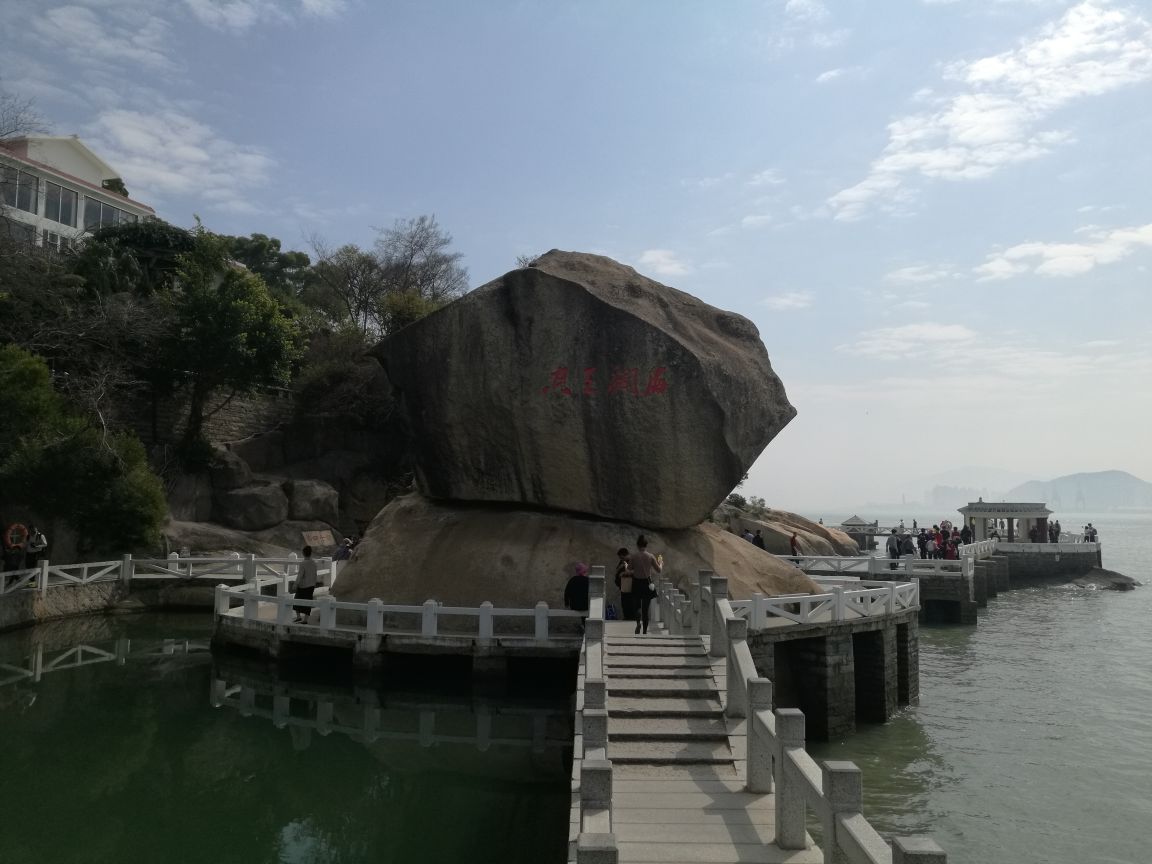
(644, 565)
(576, 593)
(794, 544)
(306, 585)
(37, 543)
(893, 547)
(758, 540)
(623, 580)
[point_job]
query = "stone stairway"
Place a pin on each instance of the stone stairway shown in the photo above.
(663, 703)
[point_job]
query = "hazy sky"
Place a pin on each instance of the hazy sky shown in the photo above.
(939, 214)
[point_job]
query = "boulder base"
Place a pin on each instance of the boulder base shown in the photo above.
(579, 385)
(252, 508)
(314, 500)
(417, 550)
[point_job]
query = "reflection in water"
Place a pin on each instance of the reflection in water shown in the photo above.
(112, 720)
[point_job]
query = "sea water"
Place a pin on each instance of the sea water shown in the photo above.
(103, 762)
(1032, 742)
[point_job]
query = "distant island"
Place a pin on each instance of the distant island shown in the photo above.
(1089, 492)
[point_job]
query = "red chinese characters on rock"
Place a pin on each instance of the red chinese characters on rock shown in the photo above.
(621, 381)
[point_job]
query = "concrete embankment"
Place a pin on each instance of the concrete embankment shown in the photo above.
(26, 608)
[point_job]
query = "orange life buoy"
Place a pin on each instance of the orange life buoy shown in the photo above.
(15, 536)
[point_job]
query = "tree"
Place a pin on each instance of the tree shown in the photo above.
(139, 258)
(348, 286)
(287, 274)
(18, 117)
(414, 256)
(230, 333)
(67, 468)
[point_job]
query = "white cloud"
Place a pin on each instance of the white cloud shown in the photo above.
(1066, 259)
(86, 37)
(767, 177)
(240, 15)
(806, 10)
(918, 274)
(788, 301)
(830, 75)
(909, 340)
(663, 262)
(756, 220)
(995, 116)
(166, 154)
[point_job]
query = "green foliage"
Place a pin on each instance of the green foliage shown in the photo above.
(338, 378)
(136, 257)
(69, 469)
(395, 311)
(287, 274)
(115, 184)
(738, 501)
(230, 332)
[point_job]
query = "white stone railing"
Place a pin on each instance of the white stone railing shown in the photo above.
(1050, 548)
(46, 575)
(778, 763)
(591, 822)
(875, 566)
(844, 602)
(41, 661)
(259, 608)
(979, 549)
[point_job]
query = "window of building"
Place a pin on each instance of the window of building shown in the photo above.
(20, 189)
(60, 204)
(97, 214)
(55, 242)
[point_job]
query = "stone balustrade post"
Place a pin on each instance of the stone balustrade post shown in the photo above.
(704, 580)
(595, 692)
(917, 850)
(327, 613)
(596, 849)
(791, 808)
(374, 617)
(839, 607)
(222, 600)
(42, 577)
(484, 623)
(596, 582)
(595, 728)
(126, 570)
(250, 571)
(759, 770)
(596, 784)
(428, 619)
(541, 617)
(594, 630)
(844, 791)
(737, 703)
(283, 609)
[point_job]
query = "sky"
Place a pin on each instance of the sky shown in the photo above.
(938, 214)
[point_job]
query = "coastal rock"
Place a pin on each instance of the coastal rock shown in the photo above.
(229, 471)
(417, 549)
(189, 497)
(579, 385)
(314, 500)
(252, 508)
(1108, 580)
(777, 527)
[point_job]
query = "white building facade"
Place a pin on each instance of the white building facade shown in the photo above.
(54, 190)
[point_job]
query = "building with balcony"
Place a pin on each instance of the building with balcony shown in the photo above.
(53, 190)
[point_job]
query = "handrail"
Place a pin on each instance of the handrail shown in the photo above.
(777, 761)
(174, 568)
(591, 768)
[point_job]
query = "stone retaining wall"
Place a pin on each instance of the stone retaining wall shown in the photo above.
(235, 418)
(25, 608)
(1032, 567)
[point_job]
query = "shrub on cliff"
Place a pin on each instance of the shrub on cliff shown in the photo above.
(67, 468)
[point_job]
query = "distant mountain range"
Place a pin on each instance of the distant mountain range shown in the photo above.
(1099, 490)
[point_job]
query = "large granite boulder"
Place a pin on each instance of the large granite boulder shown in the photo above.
(417, 549)
(579, 385)
(313, 500)
(778, 526)
(251, 508)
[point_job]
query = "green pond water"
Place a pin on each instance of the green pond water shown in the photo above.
(170, 757)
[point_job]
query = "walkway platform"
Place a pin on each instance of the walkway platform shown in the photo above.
(678, 763)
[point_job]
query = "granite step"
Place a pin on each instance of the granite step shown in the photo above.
(659, 672)
(667, 706)
(655, 660)
(661, 686)
(667, 728)
(669, 752)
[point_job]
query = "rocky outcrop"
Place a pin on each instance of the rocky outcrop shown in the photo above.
(1108, 580)
(313, 500)
(777, 527)
(228, 471)
(579, 385)
(251, 508)
(417, 550)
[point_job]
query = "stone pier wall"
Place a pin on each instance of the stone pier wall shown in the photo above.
(947, 599)
(1036, 567)
(841, 674)
(25, 608)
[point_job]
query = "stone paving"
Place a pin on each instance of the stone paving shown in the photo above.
(678, 762)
